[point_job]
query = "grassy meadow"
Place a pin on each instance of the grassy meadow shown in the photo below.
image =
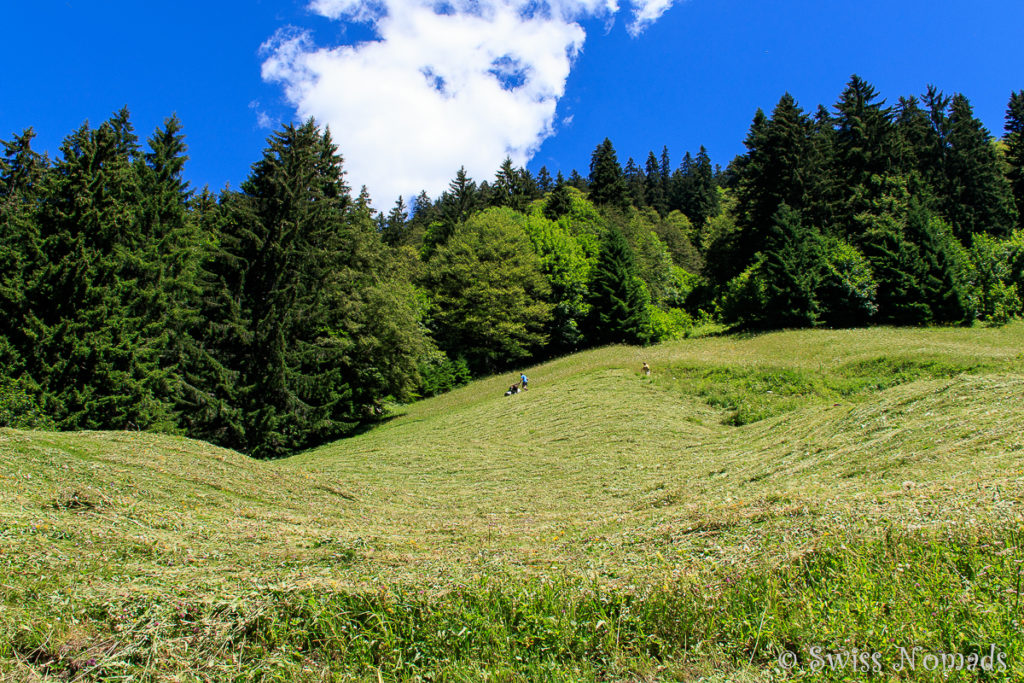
(858, 491)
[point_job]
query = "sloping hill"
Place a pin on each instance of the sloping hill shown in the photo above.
(739, 460)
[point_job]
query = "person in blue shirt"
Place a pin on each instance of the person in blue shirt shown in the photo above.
(522, 381)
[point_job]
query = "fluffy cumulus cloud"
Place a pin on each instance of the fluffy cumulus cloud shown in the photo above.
(443, 84)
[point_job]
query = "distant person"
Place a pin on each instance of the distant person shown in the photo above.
(647, 369)
(514, 389)
(522, 381)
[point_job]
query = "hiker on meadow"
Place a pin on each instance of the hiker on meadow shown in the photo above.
(522, 381)
(647, 369)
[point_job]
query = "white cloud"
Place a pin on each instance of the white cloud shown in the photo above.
(446, 83)
(646, 12)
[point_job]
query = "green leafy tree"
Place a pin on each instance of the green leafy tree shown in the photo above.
(848, 291)
(489, 298)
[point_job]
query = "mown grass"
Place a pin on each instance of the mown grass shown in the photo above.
(602, 526)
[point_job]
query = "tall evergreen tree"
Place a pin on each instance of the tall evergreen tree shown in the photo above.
(607, 185)
(93, 351)
(634, 184)
(22, 178)
(794, 262)
(511, 188)
(544, 181)
(778, 169)
(322, 337)
(393, 233)
(577, 181)
(863, 149)
(980, 198)
(1015, 150)
(654, 188)
(618, 300)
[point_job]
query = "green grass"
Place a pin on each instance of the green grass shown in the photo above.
(857, 490)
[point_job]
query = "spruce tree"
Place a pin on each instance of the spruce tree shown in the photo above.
(618, 300)
(634, 184)
(777, 169)
(559, 202)
(1015, 150)
(22, 179)
(394, 231)
(94, 352)
(980, 198)
(607, 185)
(794, 263)
(325, 335)
(654, 189)
(863, 149)
(544, 181)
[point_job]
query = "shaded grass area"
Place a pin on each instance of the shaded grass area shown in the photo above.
(602, 526)
(750, 394)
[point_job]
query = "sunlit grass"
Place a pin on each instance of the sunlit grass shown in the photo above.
(755, 494)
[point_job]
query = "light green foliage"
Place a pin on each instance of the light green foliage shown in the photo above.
(489, 296)
(997, 266)
(745, 296)
(848, 291)
(566, 265)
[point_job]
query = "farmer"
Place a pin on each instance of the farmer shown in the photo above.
(647, 369)
(522, 380)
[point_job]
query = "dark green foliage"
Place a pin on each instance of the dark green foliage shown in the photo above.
(22, 177)
(320, 335)
(513, 187)
(544, 181)
(697, 194)
(793, 268)
(1015, 150)
(394, 232)
(558, 203)
(577, 181)
(897, 265)
(439, 374)
(618, 299)
(863, 149)
(943, 268)
(634, 184)
(777, 169)
(454, 207)
(654, 186)
(93, 346)
(607, 184)
(980, 198)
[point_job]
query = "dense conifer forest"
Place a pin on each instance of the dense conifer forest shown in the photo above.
(290, 312)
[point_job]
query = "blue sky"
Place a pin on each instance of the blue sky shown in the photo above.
(420, 90)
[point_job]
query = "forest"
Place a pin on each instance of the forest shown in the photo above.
(290, 312)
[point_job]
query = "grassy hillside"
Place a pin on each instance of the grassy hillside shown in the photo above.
(858, 490)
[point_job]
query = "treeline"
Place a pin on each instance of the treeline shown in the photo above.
(289, 312)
